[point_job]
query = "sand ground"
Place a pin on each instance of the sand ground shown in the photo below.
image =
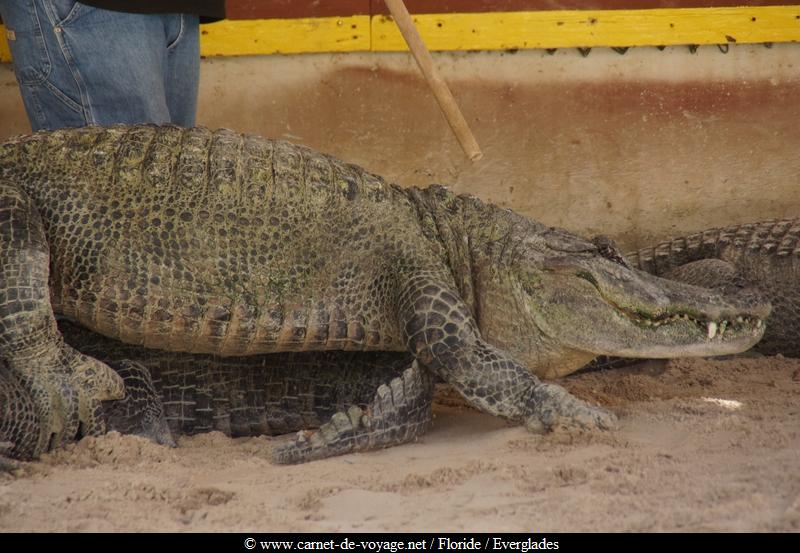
(682, 460)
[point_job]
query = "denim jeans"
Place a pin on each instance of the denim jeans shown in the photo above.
(79, 65)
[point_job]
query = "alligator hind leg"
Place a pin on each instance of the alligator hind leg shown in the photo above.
(65, 386)
(399, 413)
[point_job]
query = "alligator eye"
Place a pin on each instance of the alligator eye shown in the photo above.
(585, 275)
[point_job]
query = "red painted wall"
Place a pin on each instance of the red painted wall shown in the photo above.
(258, 9)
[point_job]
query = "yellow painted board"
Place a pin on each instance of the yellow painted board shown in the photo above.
(5, 53)
(583, 28)
(274, 36)
(285, 36)
(500, 30)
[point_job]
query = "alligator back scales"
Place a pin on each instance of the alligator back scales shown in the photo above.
(211, 242)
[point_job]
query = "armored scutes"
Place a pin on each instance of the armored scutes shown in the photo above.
(220, 244)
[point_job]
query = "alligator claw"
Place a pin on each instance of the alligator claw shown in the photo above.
(94, 383)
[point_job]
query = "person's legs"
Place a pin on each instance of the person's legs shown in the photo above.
(51, 96)
(117, 62)
(78, 65)
(182, 76)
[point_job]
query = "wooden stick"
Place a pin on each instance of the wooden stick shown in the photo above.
(443, 95)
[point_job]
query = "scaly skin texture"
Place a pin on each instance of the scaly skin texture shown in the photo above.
(224, 244)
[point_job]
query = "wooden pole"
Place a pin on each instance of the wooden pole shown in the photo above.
(443, 95)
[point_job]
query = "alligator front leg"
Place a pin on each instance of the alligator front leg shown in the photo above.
(62, 386)
(399, 413)
(443, 336)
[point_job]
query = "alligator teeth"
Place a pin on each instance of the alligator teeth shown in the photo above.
(712, 330)
(739, 319)
(722, 328)
(758, 323)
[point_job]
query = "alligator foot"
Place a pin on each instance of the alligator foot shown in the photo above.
(67, 389)
(399, 413)
(140, 412)
(554, 407)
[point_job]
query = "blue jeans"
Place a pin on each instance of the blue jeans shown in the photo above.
(77, 65)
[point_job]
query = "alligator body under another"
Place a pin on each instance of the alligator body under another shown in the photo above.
(233, 248)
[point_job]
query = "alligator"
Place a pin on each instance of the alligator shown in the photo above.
(235, 247)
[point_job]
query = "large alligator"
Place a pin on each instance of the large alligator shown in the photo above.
(226, 245)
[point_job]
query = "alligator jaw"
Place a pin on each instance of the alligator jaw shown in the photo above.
(723, 327)
(712, 337)
(602, 308)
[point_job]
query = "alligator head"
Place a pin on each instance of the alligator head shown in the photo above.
(555, 301)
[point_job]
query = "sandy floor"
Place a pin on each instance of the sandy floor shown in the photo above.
(682, 460)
